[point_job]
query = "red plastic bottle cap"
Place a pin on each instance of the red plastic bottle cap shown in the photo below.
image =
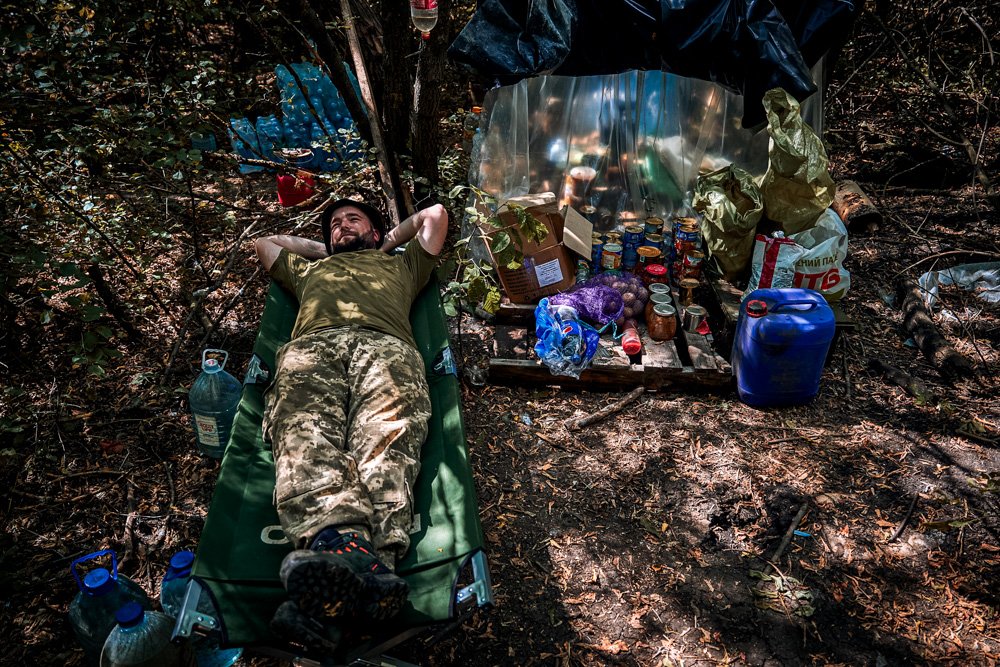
(756, 308)
(631, 347)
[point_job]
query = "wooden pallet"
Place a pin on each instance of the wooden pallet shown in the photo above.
(687, 361)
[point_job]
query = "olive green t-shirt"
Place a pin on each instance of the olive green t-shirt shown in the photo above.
(368, 288)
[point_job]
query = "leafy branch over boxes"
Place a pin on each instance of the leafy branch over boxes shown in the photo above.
(507, 232)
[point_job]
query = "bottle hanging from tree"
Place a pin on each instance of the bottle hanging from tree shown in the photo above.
(424, 14)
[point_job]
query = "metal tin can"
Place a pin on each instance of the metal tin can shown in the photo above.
(596, 250)
(589, 212)
(653, 226)
(633, 236)
(647, 255)
(694, 315)
(611, 256)
(654, 240)
(686, 236)
(629, 260)
(692, 263)
(613, 237)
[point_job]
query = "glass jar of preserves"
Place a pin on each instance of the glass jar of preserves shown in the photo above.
(656, 299)
(662, 322)
(655, 273)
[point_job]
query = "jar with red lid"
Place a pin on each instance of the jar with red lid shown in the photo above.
(654, 273)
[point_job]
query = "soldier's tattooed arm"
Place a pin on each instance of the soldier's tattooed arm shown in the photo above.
(429, 226)
(269, 247)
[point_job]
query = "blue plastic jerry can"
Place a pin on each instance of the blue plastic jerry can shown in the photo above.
(781, 343)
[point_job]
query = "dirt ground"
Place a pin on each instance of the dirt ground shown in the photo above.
(644, 539)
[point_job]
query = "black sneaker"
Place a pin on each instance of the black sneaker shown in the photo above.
(292, 625)
(340, 577)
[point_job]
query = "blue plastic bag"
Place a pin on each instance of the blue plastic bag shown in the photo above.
(565, 344)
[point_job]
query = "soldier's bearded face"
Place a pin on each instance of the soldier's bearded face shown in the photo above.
(351, 230)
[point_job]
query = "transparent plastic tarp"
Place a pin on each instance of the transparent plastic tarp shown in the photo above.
(616, 146)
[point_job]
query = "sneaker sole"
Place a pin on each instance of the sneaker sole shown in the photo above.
(322, 589)
(292, 625)
(383, 596)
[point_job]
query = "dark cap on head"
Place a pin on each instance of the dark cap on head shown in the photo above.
(378, 222)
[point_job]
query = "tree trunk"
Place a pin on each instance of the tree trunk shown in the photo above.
(397, 75)
(428, 92)
(331, 55)
(919, 324)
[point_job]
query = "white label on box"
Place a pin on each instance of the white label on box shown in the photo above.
(548, 273)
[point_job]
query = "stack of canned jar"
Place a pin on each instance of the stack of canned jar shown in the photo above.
(638, 248)
(686, 254)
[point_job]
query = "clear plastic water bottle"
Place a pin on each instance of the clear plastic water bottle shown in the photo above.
(206, 649)
(424, 14)
(213, 398)
(142, 638)
(92, 611)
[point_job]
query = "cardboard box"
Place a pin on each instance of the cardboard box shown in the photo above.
(550, 265)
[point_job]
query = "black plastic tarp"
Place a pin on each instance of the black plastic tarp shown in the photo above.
(748, 46)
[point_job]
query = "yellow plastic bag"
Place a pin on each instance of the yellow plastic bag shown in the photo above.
(731, 206)
(797, 187)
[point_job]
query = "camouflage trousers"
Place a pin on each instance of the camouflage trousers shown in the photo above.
(347, 415)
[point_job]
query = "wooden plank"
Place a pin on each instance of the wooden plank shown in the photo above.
(729, 299)
(660, 354)
(516, 313)
(530, 373)
(512, 342)
(702, 354)
(610, 355)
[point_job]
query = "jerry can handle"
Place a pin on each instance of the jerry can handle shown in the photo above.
(95, 556)
(225, 357)
(795, 302)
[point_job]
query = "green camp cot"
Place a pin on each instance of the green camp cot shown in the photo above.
(235, 574)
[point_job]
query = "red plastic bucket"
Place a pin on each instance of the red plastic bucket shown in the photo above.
(294, 190)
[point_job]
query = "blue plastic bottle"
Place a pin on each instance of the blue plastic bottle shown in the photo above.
(269, 135)
(213, 399)
(781, 342)
(142, 638)
(244, 139)
(92, 611)
(206, 649)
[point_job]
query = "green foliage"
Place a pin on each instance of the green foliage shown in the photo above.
(478, 284)
(94, 350)
(100, 100)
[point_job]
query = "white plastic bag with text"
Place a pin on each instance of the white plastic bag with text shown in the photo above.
(821, 268)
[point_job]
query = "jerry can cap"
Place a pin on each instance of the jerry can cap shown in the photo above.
(756, 308)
